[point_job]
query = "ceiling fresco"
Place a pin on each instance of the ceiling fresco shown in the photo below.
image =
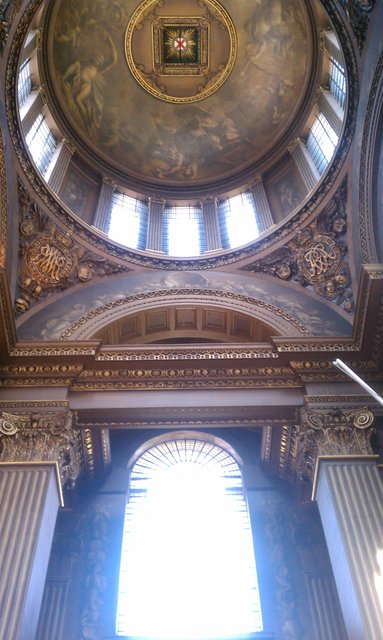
(155, 141)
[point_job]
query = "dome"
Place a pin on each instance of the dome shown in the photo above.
(207, 123)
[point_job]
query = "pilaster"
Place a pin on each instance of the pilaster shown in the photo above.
(262, 207)
(39, 453)
(156, 211)
(102, 213)
(335, 451)
(210, 215)
(304, 163)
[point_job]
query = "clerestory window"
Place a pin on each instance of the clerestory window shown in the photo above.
(128, 222)
(337, 81)
(321, 142)
(187, 564)
(184, 232)
(237, 220)
(41, 143)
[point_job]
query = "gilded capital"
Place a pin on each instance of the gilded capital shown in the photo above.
(42, 437)
(331, 433)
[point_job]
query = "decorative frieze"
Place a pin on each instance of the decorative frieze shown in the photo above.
(42, 437)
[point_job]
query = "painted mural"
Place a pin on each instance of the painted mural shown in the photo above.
(178, 143)
(51, 322)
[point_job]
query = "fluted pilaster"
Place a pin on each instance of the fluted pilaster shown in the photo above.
(29, 500)
(331, 110)
(35, 106)
(305, 164)
(349, 494)
(156, 211)
(334, 448)
(102, 213)
(61, 159)
(262, 208)
(210, 215)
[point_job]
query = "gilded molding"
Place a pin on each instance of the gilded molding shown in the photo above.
(20, 404)
(177, 383)
(105, 444)
(317, 257)
(104, 314)
(28, 370)
(3, 205)
(220, 352)
(42, 437)
(60, 350)
(88, 451)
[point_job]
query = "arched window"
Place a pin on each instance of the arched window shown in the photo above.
(187, 565)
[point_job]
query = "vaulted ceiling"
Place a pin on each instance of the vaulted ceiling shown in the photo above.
(84, 315)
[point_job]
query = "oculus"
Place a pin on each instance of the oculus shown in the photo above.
(180, 58)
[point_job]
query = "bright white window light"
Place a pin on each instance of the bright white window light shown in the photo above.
(128, 221)
(321, 142)
(238, 220)
(41, 143)
(187, 565)
(183, 231)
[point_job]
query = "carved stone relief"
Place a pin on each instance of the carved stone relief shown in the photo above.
(358, 12)
(41, 437)
(317, 257)
(8, 10)
(50, 259)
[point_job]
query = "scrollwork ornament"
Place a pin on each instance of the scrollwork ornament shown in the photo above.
(363, 419)
(8, 424)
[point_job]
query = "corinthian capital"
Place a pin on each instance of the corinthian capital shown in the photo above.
(334, 432)
(42, 437)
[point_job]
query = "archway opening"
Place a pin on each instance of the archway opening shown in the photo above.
(187, 566)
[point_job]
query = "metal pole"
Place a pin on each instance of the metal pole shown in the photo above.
(343, 367)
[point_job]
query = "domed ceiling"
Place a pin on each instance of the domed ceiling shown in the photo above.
(178, 92)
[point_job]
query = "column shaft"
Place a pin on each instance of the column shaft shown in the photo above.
(331, 110)
(29, 501)
(262, 207)
(349, 493)
(305, 164)
(102, 213)
(61, 159)
(210, 216)
(35, 106)
(156, 210)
